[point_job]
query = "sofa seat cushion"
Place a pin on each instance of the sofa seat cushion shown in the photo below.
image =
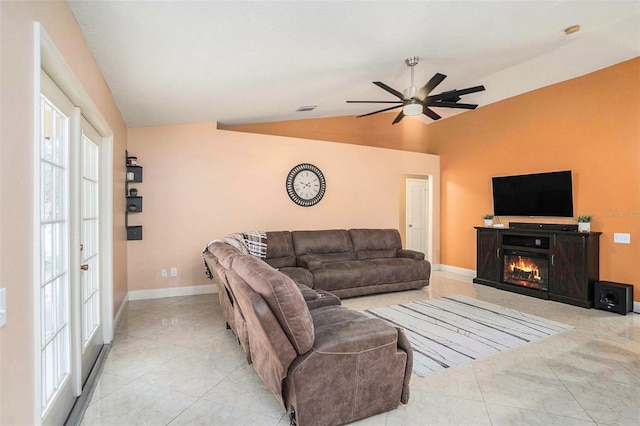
(342, 330)
(298, 275)
(316, 299)
(339, 275)
(283, 297)
(400, 270)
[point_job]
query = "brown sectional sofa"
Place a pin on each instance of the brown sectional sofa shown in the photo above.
(348, 263)
(327, 364)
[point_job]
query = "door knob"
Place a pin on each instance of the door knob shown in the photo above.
(410, 226)
(84, 267)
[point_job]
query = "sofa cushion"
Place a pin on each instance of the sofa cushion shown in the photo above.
(299, 275)
(280, 252)
(316, 299)
(327, 246)
(283, 297)
(339, 275)
(342, 330)
(400, 270)
(375, 243)
(223, 252)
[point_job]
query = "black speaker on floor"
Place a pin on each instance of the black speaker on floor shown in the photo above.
(614, 297)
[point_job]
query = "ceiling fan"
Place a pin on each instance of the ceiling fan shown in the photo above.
(416, 101)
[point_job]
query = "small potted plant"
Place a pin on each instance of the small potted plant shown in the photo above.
(584, 223)
(488, 219)
(133, 192)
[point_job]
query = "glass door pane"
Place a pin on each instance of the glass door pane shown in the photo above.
(54, 252)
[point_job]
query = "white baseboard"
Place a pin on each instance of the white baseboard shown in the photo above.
(457, 270)
(158, 293)
(121, 311)
(636, 307)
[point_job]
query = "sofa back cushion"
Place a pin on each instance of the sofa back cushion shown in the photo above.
(375, 243)
(223, 252)
(327, 246)
(271, 350)
(283, 297)
(280, 252)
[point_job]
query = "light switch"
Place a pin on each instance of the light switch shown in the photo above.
(620, 238)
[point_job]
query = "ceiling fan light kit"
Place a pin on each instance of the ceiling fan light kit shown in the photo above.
(414, 101)
(414, 108)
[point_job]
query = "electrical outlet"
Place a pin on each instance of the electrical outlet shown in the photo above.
(621, 238)
(3, 306)
(163, 272)
(174, 272)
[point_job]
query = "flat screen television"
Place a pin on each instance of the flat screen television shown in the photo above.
(539, 194)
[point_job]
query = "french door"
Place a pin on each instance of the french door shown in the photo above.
(68, 262)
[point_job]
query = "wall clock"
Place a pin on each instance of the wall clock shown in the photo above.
(306, 185)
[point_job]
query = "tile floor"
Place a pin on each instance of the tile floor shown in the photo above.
(173, 362)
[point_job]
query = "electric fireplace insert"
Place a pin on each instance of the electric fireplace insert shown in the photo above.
(527, 269)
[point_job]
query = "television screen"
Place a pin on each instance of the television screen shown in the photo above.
(540, 194)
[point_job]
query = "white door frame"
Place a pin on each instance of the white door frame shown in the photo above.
(47, 57)
(431, 213)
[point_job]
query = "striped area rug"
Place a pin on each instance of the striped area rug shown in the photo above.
(456, 330)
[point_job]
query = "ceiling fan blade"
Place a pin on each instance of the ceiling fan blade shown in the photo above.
(431, 84)
(449, 96)
(452, 105)
(399, 117)
(391, 90)
(429, 113)
(374, 102)
(380, 110)
(453, 93)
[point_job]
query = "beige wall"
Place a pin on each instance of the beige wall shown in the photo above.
(16, 200)
(201, 183)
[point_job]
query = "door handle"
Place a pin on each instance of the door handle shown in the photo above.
(410, 226)
(84, 267)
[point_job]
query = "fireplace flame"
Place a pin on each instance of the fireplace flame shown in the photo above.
(525, 268)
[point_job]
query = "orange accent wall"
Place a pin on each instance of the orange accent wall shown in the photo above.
(201, 183)
(590, 125)
(375, 130)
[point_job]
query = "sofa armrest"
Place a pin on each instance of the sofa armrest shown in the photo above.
(359, 358)
(405, 346)
(411, 254)
(310, 262)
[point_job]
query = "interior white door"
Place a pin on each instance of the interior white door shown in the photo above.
(417, 214)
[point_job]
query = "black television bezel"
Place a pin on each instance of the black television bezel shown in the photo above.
(565, 207)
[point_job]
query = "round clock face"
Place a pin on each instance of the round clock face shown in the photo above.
(306, 185)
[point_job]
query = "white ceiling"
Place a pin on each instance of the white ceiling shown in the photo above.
(170, 62)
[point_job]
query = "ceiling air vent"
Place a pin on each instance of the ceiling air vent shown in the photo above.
(306, 108)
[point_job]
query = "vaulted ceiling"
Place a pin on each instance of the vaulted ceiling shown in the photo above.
(235, 62)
